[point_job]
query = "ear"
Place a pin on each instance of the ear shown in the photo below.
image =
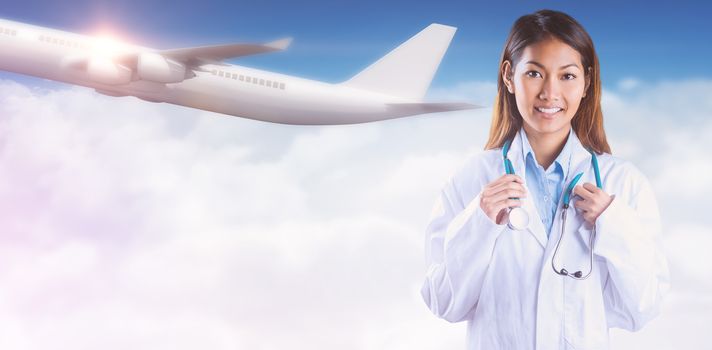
(507, 76)
(587, 78)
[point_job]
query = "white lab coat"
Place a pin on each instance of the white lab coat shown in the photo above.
(501, 280)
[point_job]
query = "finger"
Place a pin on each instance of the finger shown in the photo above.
(496, 187)
(506, 178)
(582, 192)
(505, 194)
(514, 177)
(582, 205)
(507, 203)
(591, 187)
(500, 217)
(496, 208)
(505, 186)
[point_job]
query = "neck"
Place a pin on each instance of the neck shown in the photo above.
(546, 146)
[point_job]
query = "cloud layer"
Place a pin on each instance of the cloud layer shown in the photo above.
(126, 224)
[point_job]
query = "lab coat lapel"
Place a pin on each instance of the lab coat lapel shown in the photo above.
(581, 163)
(550, 304)
(536, 227)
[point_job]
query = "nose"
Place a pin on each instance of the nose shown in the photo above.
(550, 90)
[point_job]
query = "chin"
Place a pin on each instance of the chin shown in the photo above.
(548, 126)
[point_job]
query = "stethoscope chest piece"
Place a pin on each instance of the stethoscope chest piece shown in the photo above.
(518, 219)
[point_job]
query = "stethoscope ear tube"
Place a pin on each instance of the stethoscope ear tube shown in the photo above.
(570, 189)
(578, 275)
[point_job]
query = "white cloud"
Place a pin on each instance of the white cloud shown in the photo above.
(627, 84)
(130, 224)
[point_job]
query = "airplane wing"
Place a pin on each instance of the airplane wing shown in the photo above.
(163, 66)
(194, 56)
(429, 107)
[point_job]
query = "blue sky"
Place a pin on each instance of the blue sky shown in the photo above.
(650, 41)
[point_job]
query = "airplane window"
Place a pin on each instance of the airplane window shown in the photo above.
(269, 83)
(54, 40)
(281, 86)
(234, 76)
(248, 79)
(242, 77)
(215, 72)
(221, 73)
(262, 81)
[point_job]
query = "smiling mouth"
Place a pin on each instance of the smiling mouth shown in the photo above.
(548, 111)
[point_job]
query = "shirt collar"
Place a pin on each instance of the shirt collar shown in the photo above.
(563, 157)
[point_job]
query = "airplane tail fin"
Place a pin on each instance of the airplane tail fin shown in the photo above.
(407, 70)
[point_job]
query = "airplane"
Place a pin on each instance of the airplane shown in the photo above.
(199, 77)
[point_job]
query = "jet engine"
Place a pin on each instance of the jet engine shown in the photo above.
(105, 71)
(156, 68)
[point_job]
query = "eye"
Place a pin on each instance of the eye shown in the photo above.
(533, 74)
(569, 76)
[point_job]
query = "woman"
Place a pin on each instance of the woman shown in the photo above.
(502, 268)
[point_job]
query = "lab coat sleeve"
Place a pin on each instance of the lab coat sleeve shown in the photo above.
(629, 239)
(458, 247)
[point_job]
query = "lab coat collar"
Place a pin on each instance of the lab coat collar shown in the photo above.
(579, 161)
(562, 160)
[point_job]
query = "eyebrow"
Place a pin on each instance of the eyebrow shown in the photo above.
(562, 67)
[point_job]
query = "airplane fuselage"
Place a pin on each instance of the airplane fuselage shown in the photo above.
(220, 87)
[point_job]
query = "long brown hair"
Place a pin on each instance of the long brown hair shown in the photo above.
(529, 30)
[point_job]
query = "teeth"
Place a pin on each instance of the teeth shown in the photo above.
(548, 110)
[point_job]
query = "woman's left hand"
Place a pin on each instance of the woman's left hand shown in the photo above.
(594, 201)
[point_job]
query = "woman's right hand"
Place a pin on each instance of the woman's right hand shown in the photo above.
(498, 195)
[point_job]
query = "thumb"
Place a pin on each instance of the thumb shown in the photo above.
(501, 216)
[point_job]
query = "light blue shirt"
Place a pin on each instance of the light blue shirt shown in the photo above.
(545, 186)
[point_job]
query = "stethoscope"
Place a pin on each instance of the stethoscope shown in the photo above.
(518, 218)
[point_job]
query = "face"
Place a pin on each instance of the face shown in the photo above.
(548, 82)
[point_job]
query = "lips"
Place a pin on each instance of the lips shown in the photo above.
(548, 110)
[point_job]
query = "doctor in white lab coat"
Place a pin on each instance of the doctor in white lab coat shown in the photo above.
(501, 280)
